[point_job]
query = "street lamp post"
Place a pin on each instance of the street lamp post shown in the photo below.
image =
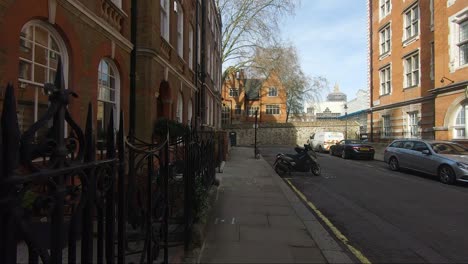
(346, 121)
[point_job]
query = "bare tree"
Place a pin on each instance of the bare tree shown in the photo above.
(283, 61)
(248, 24)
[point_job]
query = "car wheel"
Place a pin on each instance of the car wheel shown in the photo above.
(446, 174)
(315, 169)
(393, 164)
(281, 169)
(344, 155)
(320, 149)
(331, 152)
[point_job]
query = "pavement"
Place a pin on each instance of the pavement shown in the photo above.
(257, 218)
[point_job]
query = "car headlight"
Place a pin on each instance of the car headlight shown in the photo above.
(462, 165)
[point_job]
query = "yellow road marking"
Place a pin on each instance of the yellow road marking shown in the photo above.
(332, 227)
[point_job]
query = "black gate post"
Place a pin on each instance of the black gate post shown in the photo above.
(87, 225)
(122, 195)
(59, 156)
(10, 159)
(110, 196)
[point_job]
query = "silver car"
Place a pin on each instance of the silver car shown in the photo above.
(447, 160)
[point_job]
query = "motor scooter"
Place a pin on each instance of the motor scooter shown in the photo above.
(304, 161)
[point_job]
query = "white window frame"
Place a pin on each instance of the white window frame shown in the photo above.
(385, 80)
(233, 92)
(165, 7)
(272, 109)
(208, 59)
(272, 91)
(189, 112)
(411, 19)
(190, 48)
(432, 65)
(251, 111)
(180, 28)
(116, 89)
(463, 44)
(456, 21)
(411, 66)
(238, 109)
(180, 108)
(31, 43)
(431, 8)
(385, 40)
(386, 126)
(385, 7)
(413, 125)
(460, 126)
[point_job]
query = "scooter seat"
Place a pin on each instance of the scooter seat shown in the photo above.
(288, 158)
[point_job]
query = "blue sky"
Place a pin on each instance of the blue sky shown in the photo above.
(331, 40)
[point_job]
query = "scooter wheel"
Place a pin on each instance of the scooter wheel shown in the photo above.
(316, 169)
(280, 170)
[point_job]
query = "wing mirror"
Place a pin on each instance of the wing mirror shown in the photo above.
(426, 152)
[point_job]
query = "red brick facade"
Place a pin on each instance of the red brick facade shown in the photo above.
(87, 39)
(267, 95)
(178, 78)
(417, 101)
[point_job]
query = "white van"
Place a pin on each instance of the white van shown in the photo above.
(321, 141)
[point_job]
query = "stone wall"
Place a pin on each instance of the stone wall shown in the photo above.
(289, 133)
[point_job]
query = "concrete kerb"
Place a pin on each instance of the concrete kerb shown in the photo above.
(331, 250)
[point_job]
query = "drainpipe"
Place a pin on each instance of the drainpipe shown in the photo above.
(371, 69)
(133, 34)
(203, 62)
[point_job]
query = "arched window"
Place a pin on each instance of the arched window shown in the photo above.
(460, 125)
(40, 47)
(189, 112)
(108, 96)
(180, 108)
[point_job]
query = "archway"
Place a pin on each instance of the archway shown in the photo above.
(164, 103)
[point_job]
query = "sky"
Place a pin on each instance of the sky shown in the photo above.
(331, 39)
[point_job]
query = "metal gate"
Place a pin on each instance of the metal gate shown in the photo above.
(62, 200)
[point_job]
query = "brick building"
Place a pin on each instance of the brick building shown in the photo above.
(178, 62)
(90, 37)
(451, 69)
(243, 96)
(418, 74)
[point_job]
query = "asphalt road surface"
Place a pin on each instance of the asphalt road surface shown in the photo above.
(390, 217)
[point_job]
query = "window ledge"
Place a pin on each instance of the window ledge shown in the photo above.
(462, 67)
(408, 41)
(384, 95)
(411, 87)
(385, 55)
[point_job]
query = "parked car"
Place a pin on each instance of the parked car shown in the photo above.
(321, 141)
(447, 160)
(349, 149)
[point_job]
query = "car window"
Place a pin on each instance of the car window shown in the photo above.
(420, 146)
(408, 145)
(397, 144)
(448, 148)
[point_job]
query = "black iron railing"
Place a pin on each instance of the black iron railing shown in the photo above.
(65, 200)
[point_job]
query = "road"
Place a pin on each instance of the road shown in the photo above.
(391, 217)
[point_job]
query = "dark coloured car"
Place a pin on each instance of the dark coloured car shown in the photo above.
(352, 149)
(447, 160)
